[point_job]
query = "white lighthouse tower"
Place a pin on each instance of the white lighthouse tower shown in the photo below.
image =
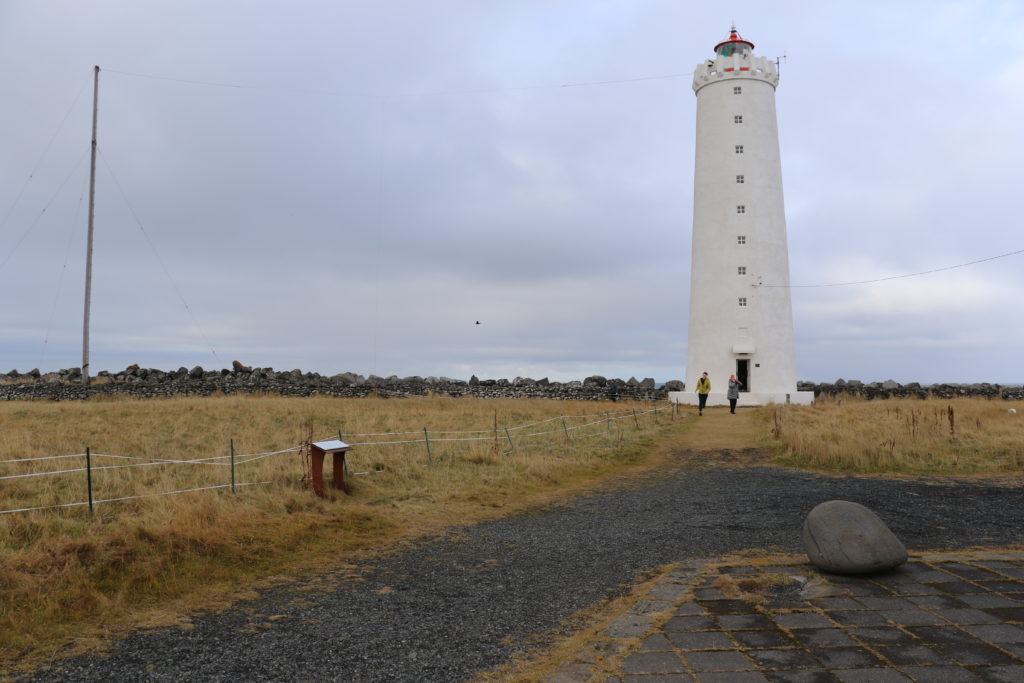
(739, 325)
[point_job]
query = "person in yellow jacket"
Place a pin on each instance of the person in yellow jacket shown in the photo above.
(703, 389)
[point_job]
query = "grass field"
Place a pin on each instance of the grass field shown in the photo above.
(905, 436)
(67, 575)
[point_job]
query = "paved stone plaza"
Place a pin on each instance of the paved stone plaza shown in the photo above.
(937, 618)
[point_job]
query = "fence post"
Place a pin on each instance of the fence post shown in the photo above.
(608, 419)
(635, 419)
(509, 436)
(344, 461)
(88, 473)
(566, 430)
(426, 440)
(232, 442)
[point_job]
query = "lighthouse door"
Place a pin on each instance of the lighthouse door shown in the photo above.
(743, 373)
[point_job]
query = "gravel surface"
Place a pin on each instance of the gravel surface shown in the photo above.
(463, 603)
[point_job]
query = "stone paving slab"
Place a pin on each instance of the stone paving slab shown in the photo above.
(953, 617)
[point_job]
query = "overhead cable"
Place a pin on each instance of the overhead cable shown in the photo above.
(159, 260)
(899, 277)
(429, 93)
(42, 156)
(35, 222)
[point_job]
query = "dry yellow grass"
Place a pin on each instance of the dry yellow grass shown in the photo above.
(65, 574)
(907, 436)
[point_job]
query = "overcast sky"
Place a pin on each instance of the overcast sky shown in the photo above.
(353, 185)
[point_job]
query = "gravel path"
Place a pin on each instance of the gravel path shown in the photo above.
(463, 603)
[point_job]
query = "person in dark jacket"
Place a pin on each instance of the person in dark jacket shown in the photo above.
(733, 393)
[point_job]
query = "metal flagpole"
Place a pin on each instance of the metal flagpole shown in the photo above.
(88, 247)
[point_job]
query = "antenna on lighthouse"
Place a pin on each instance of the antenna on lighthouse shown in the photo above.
(778, 68)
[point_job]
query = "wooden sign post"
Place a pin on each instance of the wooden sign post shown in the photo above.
(317, 451)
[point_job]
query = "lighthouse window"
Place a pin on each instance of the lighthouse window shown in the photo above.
(741, 209)
(739, 149)
(737, 119)
(741, 270)
(736, 90)
(743, 302)
(741, 239)
(739, 179)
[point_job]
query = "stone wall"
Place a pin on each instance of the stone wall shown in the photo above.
(891, 389)
(150, 383)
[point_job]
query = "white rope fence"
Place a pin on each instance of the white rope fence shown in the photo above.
(234, 460)
(146, 495)
(605, 417)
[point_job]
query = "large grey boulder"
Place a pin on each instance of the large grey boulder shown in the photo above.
(841, 537)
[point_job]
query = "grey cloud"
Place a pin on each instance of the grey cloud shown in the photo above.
(394, 171)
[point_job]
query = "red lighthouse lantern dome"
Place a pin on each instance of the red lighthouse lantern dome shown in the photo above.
(733, 45)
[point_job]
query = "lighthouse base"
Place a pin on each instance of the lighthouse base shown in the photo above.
(747, 398)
